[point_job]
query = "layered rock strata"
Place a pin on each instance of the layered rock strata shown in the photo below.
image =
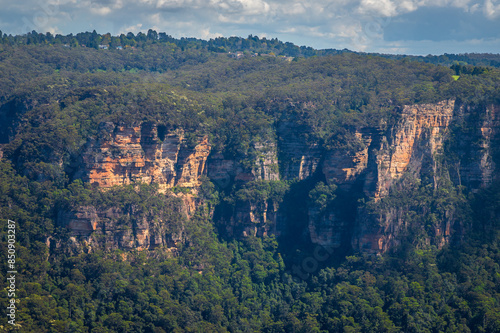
(299, 159)
(125, 155)
(225, 171)
(247, 218)
(381, 158)
(414, 146)
(120, 228)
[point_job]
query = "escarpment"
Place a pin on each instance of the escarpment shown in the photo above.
(429, 144)
(131, 155)
(415, 148)
(250, 215)
(125, 155)
(299, 158)
(126, 227)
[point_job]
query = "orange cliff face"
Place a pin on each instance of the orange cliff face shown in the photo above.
(343, 169)
(192, 164)
(420, 131)
(126, 155)
(412, 146)
(415, 146)
(419, 135)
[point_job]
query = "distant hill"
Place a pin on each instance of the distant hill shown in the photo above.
(251, 44)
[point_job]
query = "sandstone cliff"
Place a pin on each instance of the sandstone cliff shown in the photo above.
(299, 159)
(372, 172)
(225, 171)
(246, 217)
(413, 147)
(134, 154)
(127, 227)
(125, 155)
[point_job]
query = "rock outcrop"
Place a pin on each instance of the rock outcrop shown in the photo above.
(414, 147)
(343, 169)
(125, 155)
(414, 143)
(125, 228)
(81, 221)
(247, 217)
(225, 171)
(299, 159)
(133, 154)
(253, 219)
(477, 136)
(369, 170)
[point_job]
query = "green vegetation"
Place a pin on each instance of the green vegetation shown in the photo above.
(53, 99)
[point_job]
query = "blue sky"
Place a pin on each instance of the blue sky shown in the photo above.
(388, 26)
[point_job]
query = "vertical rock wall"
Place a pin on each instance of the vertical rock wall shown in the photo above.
(125, 155)
(413, 146)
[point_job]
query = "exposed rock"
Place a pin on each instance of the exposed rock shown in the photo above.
(253, 219)
(381, 157)
(190, 201)
(191, 164)
(82, 221)
(248, 218)
(418, 136)
(224, 172)
(413, 146)
(477, 136)
(327, 229)
(298, 158)
(125, 155)
(120, 228)
(378, 235)
(132, 154)
(343, 169)
(266, 164)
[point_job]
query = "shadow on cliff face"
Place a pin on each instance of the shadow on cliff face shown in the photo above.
(316, 231)
(8, 115)
(315, 237)
(312, 232)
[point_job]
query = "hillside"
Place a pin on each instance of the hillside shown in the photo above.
(173, 185)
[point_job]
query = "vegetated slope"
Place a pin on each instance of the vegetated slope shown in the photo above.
(262, 176)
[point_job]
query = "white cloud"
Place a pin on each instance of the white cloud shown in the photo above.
(426, 47)
(242, 7)
(398, 7)
(206, 34)
(155, 19)
(382, 7)
(103, 8)
(173, 4)
(100, 10)
(133, 28)
(288, 30)
(491, 9)
(474, 8)
(294, 9)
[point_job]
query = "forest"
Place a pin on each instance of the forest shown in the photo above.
(56, 92)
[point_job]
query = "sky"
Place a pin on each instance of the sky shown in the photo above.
(417, 27)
